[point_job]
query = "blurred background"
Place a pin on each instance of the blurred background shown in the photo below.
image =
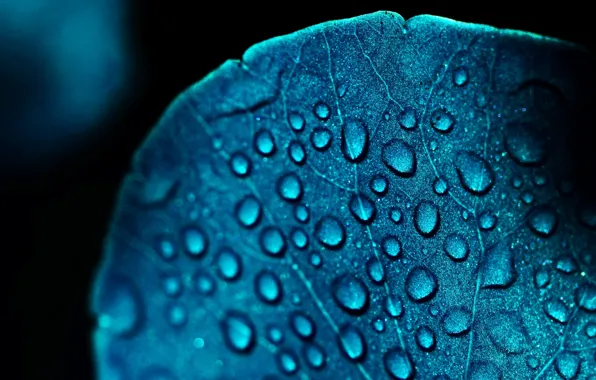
(81, 84)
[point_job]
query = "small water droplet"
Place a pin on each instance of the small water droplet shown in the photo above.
(355, 138)
(166, 249)
(517, 181)
(321, 138)
(301, 213)
(399, 157)
(352, 343)
(566, 264)
(543, 221)
(398, 364)
(474, 172)
(507, 332)
(426, 218)
(274, 334)
(314, 355)
(532, 362)
(296, 121)
(264, 143)
(299, 238)
(497, 267)
(393, 306)
(289, 187)
(171, 285)
(362, 208)
(287, 361)
(272, 242)
(268, 287)
(457, 321)
(527, 197)
(176, 314)
(541, 278)
(425, 338)
(229, 265)
(195, 241)
(421, 284)
(395, 215)
(442, 121)
(440, 186)
(456, 246)
(238, 332)
(315, 260)
(296, 152)
(378, 325)
(407, 118)
(351, 294)
(330, 232)
(379, 184)
(586, 297)
(391, 247)
(487, 220)
(375, 270)
(567, 365)
(302, 325)
(556, 310)
(322, 111)
(460, 76)
(590, 330)
(240, 164)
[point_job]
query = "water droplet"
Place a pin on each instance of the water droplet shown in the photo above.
(296, 152)
(118, 306)
(393, 306)
(238, 332)
(248, 212)
(516, 181)
(556, 310)
(330, 232)
(440, 186)
(487, 220)
(398, 364)
(399, 157)
(395, 215)
(586, 297)
(375, 270)
(287, 361)
(426, 218)
(391, 247)
(362, 208)
(421, 284)
(289, 187)
(507, 332)
(166, 249)
(274, 334)
(322, 111)
(442, 121)
(425, 338)
(172, 286)
(321, 138)
(316, 260)
(379, 184)
(354, 143)
(176, 314)
(378, 325)
(302, 325)
(567, 365)
(540, 179)
(296, 121)
(481, 99)
(195, 241)
(314, 355)
(240, 164)
(299, 238)
(525, 144)
(497, 267)
(407, 118)
(352, 343)
(457, 321)
(301, 213)
(475, 173)
(229, 265)
(591, 330)
(272, 242)
(460, 76)
(527, 197)
(342, 89)
(264, 143)
(456, 246)
(566, 264)
(350, 294)
(541, 278)
(543, 221)
(268, 287)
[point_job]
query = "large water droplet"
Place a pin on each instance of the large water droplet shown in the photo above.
(195, 241)
(487, 220)
(296, 121)
(321, 138)
(289, 187)
(543, 221)
(330, 232)
(350, 294)
(287, 361)
(407, 118)
(391, 246)
(248, 212)
(362, 208)
(556, 310)
(375, 270)
(541, 277)
(119, 306)
(497, 267)
(398, 364)
(302, 325)
(456, 246)
(507, 332)
(240, 164)
(586, 297)
(297, 153)
(475, 174)
(352, 343)
(354, 143)
(264, 143)
(427, 218)
(421, 284)
(425, 338)
(442, 121)
(322, 111)
(268, 287)
(525, 144)
(314, 355)
(457, 321)
(567, 365)
(272, 242)
(399, 157)
(238, 332)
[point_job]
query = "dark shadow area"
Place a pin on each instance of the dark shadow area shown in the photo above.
(55, 220)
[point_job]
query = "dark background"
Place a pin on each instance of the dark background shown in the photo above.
(55, 218)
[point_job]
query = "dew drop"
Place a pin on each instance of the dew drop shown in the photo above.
(532, 362)
(421, 284)
(166, 249)
(299, 238)
(398, 364)
(497, 267)
(351, 294)
(321, 138)
(474, 172)
(440, 186)
(426, 218)
(268, 287)
(362, 208)
(314, 355)
(586, 297)
(301, 213)
(238, 332)
(296, 121)
(272, 242)
(457, 321)
(556, 310)
(591, 330)
(354, 144)
(195, 241)
(395, 215)
(287, 361)
(330, 232)
(507, 333)
(375, 270)
(379, 184)
(525, 144)
(460, 76)
(297, 153)
(391, 246)
(425, 338)
(456, 247)
(172, 286)
(302, 325)
(566, 264)
(567, 365)
(264, 143)
(322, 111)
(393, 306)
(378, 325)
(442, 121)
(487, 221)
(407, 118)
(176, 314)
(229, 265)
(289, 187)
(315, 260)
(399, 157)
(274, 334)
(543, 221)
(352, 343)
(240, 164)
(248, 212)
(541, 278)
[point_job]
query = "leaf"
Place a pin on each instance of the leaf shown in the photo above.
(357, 200)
